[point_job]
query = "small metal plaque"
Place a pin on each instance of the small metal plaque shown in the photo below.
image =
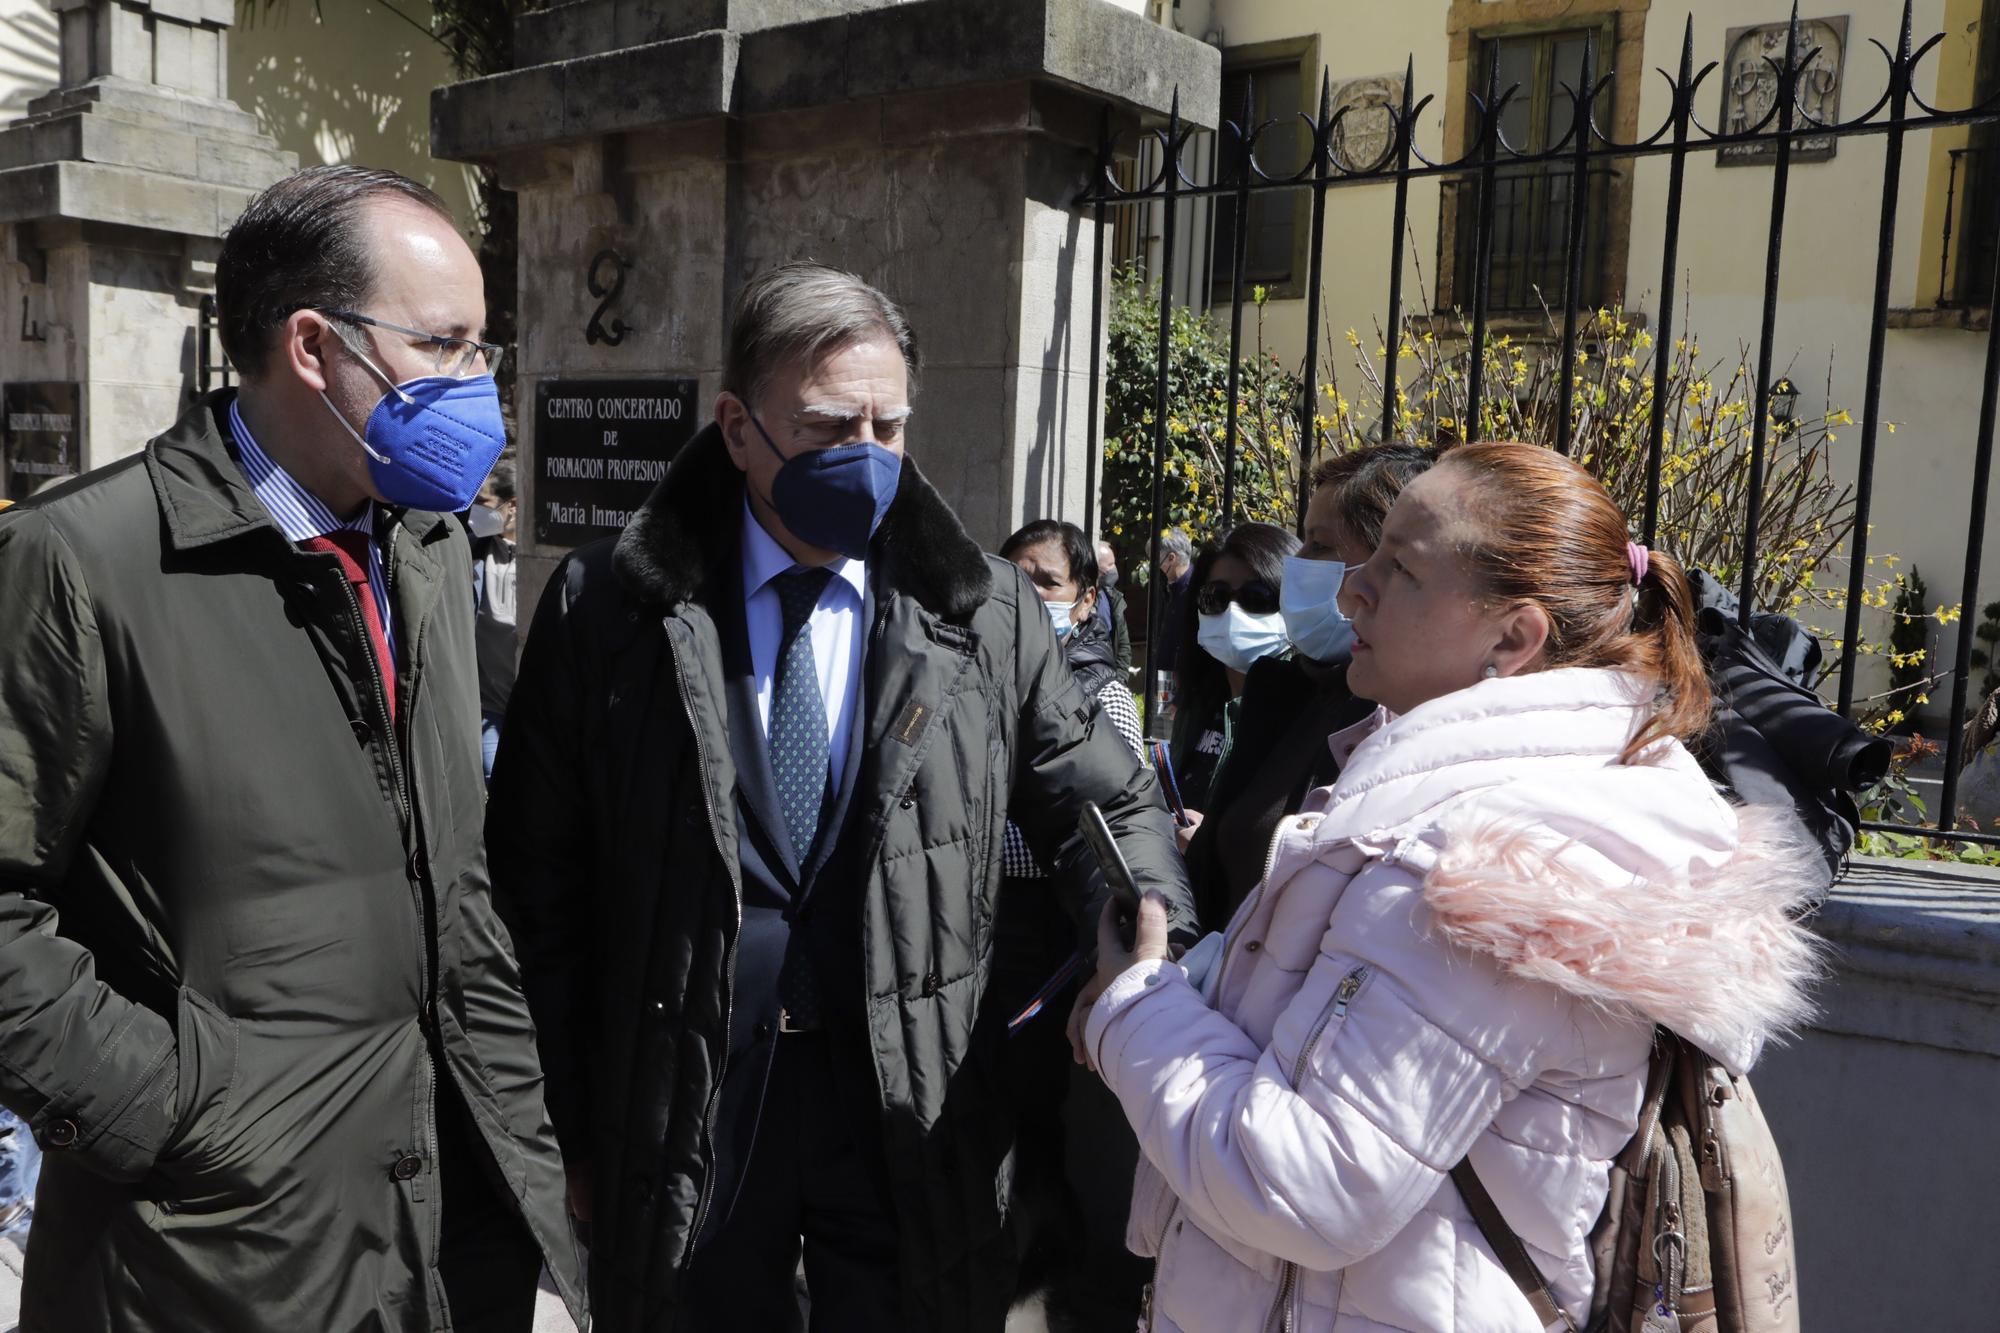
(601, 446)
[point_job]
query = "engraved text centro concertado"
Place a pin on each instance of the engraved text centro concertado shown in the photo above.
(613, 409)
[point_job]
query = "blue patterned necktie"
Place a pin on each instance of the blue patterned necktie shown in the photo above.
(800, 751)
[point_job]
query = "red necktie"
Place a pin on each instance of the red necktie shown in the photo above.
(350, 546)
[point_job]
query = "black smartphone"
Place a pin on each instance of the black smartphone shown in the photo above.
(1117, 875)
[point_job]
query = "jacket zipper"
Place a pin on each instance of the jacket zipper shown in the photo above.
(1350, 985)
(399, 783)
(728, 959)
(1166, 1230)
(1270, 862)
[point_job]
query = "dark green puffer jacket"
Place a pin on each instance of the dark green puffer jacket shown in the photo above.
(235, 922)
(614, 836)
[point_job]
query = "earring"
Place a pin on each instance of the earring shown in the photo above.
(1490, 672)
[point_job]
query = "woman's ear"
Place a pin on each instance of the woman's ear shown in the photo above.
(1523, 639)
(1086, 605)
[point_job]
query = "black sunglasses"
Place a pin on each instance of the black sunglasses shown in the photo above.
(1256, 597)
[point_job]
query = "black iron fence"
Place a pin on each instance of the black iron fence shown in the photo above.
(211, 366)
(1507, 198)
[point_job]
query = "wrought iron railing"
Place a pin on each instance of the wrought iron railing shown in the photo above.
(211, 365)
(1583, 154)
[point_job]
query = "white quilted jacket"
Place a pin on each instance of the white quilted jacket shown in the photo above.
(1462, 946)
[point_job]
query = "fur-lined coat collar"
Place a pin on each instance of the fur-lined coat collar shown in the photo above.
(1631, 885)
(670, 552)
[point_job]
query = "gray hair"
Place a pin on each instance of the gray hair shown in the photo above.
(800, 312)
(1175, 542)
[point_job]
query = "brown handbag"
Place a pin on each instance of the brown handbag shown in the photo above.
(1696, 1232)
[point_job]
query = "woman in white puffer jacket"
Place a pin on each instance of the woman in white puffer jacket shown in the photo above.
(1462, 947)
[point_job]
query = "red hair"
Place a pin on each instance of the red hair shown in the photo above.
(1545, 533)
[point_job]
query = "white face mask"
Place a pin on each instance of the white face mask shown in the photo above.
(1236, 638)
(1059, 616)
(1313, 618)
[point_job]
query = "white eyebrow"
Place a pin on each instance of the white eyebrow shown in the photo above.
(836, 412)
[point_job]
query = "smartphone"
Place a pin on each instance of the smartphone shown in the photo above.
(1117, 875)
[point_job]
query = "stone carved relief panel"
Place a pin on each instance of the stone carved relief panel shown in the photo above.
(1751, 58)
(1367, 132)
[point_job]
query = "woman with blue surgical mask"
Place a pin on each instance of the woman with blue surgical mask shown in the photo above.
(1033, 936)
(1231, 623)
(1292, 701)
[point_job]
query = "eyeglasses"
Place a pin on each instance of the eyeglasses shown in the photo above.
(456, 358)
(1256, 597)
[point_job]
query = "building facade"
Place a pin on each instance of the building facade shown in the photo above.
(1276, 52)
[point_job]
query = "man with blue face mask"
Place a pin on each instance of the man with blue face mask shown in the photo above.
(747, 820)
(256, 1007)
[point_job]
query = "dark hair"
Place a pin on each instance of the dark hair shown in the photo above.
(299, 245)
(1546, 533)
(1366, 482)
(1076, 547)
(501, 479)
(1202, 683)
(802, 311)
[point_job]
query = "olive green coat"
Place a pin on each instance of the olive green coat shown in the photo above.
(234, 919)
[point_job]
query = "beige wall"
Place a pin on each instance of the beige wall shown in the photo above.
(27, 54)
(1931, 377)
(353, 88)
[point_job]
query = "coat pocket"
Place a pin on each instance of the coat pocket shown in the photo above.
(206, 1043)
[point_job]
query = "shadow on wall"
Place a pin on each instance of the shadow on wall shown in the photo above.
(347, 87)
(30, 59)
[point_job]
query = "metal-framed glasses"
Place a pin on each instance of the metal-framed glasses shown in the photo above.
(456, 358)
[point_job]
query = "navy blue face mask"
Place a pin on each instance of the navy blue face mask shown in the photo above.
(834, 498)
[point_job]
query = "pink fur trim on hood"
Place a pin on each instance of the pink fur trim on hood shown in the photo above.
(1714, 955)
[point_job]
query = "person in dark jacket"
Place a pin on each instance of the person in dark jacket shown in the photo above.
(1230, 622)
(746, 822)
(1291, 703)
(1111, 606)
(254, 1001)
(491, 522)
(1167, 622)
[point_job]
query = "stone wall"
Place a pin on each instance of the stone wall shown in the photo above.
(934, 148)
(1884, 1110)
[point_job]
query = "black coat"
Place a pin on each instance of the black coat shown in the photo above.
(615, 828)
(244, 925)
(1277, 753)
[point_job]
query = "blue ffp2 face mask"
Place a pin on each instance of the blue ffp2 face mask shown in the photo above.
(1313, 619)
(834, 498)
(430, 441)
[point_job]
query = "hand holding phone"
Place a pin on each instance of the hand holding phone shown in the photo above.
(1117, 874)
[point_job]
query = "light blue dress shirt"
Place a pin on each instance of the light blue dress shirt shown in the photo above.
(838, 636)
(300, 514)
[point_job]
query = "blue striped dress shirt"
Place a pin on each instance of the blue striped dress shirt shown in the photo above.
(300, 514)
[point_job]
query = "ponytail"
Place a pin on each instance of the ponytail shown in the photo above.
(1662, 647)
(1545, 533)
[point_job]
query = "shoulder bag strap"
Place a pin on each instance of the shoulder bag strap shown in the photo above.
(1507, 1247)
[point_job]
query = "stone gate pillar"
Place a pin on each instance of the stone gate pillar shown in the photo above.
(664, 151)
(114, 191)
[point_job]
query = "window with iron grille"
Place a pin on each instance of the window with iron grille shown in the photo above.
(1531, 201)
(1980, 174)
(1275, 79)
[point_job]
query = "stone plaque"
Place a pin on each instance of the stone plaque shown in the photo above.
(1367, 132)
(41, 435)
(1750, 89)
(600, 448)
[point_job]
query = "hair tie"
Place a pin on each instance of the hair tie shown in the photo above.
(1640, 561)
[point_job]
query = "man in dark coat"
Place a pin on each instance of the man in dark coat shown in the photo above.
(254, 1000)
(746, 822)
(1111, 609)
